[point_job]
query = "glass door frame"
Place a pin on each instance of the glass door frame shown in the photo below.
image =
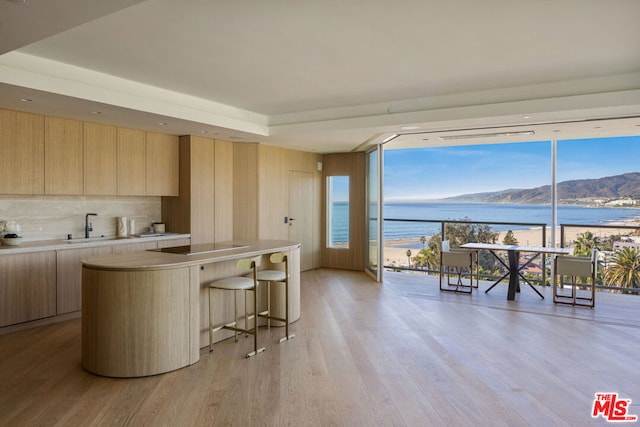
(375, 271)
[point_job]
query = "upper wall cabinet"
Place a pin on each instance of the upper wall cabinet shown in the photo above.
(22, 148)
(131, 164)
(63, 159)
(162, 165)
(99, 159)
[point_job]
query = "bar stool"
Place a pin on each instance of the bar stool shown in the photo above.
(235, 284)
(277, 276)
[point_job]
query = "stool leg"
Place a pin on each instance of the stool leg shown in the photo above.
(210, 328)
(235, 314)
(269, 305)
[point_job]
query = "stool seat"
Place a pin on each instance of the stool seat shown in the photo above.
(233, 283)
(271, 275)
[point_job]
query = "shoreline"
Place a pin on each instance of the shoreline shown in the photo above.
(395, 250)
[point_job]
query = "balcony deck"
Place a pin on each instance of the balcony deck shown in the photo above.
(400, 353)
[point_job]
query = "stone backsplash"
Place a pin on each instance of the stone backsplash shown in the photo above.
(54, 217)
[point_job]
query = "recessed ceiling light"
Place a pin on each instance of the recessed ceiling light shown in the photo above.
(18, 1)
(556, 130)
(409, 127)
(96, 112)
(26, 100)
(526, 117)
(204, 131)
(597, 127)
(162, 123)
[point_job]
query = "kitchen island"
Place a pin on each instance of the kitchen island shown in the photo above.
(146, 312)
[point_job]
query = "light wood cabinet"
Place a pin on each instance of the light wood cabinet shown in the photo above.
(69, 277)
(205, 205)
(162, 165)
(131, 162)
(22, 148)
(138, 246)
(223, 191)
(63, 156)
(27, 287)
(99, 159)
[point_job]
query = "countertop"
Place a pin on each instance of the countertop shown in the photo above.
(60, 244)
(152, 260)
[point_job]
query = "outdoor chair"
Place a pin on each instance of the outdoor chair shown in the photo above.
(458, 267)
(580, 292)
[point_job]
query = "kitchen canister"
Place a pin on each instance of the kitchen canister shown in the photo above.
(132, 227)
(158, 227)
(121, 225)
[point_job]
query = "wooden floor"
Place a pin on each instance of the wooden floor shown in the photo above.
(365, 354)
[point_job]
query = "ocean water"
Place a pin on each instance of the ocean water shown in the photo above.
(536, 214)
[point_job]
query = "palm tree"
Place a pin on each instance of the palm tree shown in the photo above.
(409, 257)
(585, 243)
(509, 239)
(624, 269)
(423, 240)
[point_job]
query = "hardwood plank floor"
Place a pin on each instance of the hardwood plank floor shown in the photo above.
(401, 354)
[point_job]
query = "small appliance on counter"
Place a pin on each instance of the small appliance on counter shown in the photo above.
(158, 227)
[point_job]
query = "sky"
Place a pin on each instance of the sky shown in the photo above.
(433, 173)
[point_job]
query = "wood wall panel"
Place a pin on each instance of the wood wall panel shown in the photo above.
(245, 191)
(63, 157)
(352, 165)
(223, 191)
(202, 190)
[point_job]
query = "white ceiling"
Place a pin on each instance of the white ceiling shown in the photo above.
(329, 76)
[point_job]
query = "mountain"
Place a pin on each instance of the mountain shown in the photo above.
(569, 192)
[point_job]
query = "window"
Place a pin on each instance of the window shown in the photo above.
(338, 212)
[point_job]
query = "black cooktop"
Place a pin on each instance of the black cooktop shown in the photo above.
(202, 248)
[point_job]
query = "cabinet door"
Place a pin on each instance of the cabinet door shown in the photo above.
(69, 276)
(223, 193)
(63, 156)
(162, 165)
(27, 287)
(202, 189)
(139, 246)
(131, 169)
(22, 151)
(99, 159)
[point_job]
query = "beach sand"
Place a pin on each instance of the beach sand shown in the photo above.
(395, 251)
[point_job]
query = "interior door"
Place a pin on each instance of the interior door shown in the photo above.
(301, 215)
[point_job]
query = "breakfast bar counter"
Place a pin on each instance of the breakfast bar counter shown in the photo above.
(146, 312)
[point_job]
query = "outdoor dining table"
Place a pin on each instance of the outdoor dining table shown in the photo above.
(514, 268)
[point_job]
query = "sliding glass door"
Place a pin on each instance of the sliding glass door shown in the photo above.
(374, 231)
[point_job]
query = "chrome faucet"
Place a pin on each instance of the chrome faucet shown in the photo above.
(88, 227)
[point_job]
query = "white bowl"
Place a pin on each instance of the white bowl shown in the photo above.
(11, 241)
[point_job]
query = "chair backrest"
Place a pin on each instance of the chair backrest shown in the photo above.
(249, 263)
(574, 266)
(457, 258)
(278, 257)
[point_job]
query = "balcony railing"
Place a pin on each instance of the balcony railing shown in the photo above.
(536, 236)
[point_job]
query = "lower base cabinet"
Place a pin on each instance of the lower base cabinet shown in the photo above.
(27, 287)
(69, 277)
